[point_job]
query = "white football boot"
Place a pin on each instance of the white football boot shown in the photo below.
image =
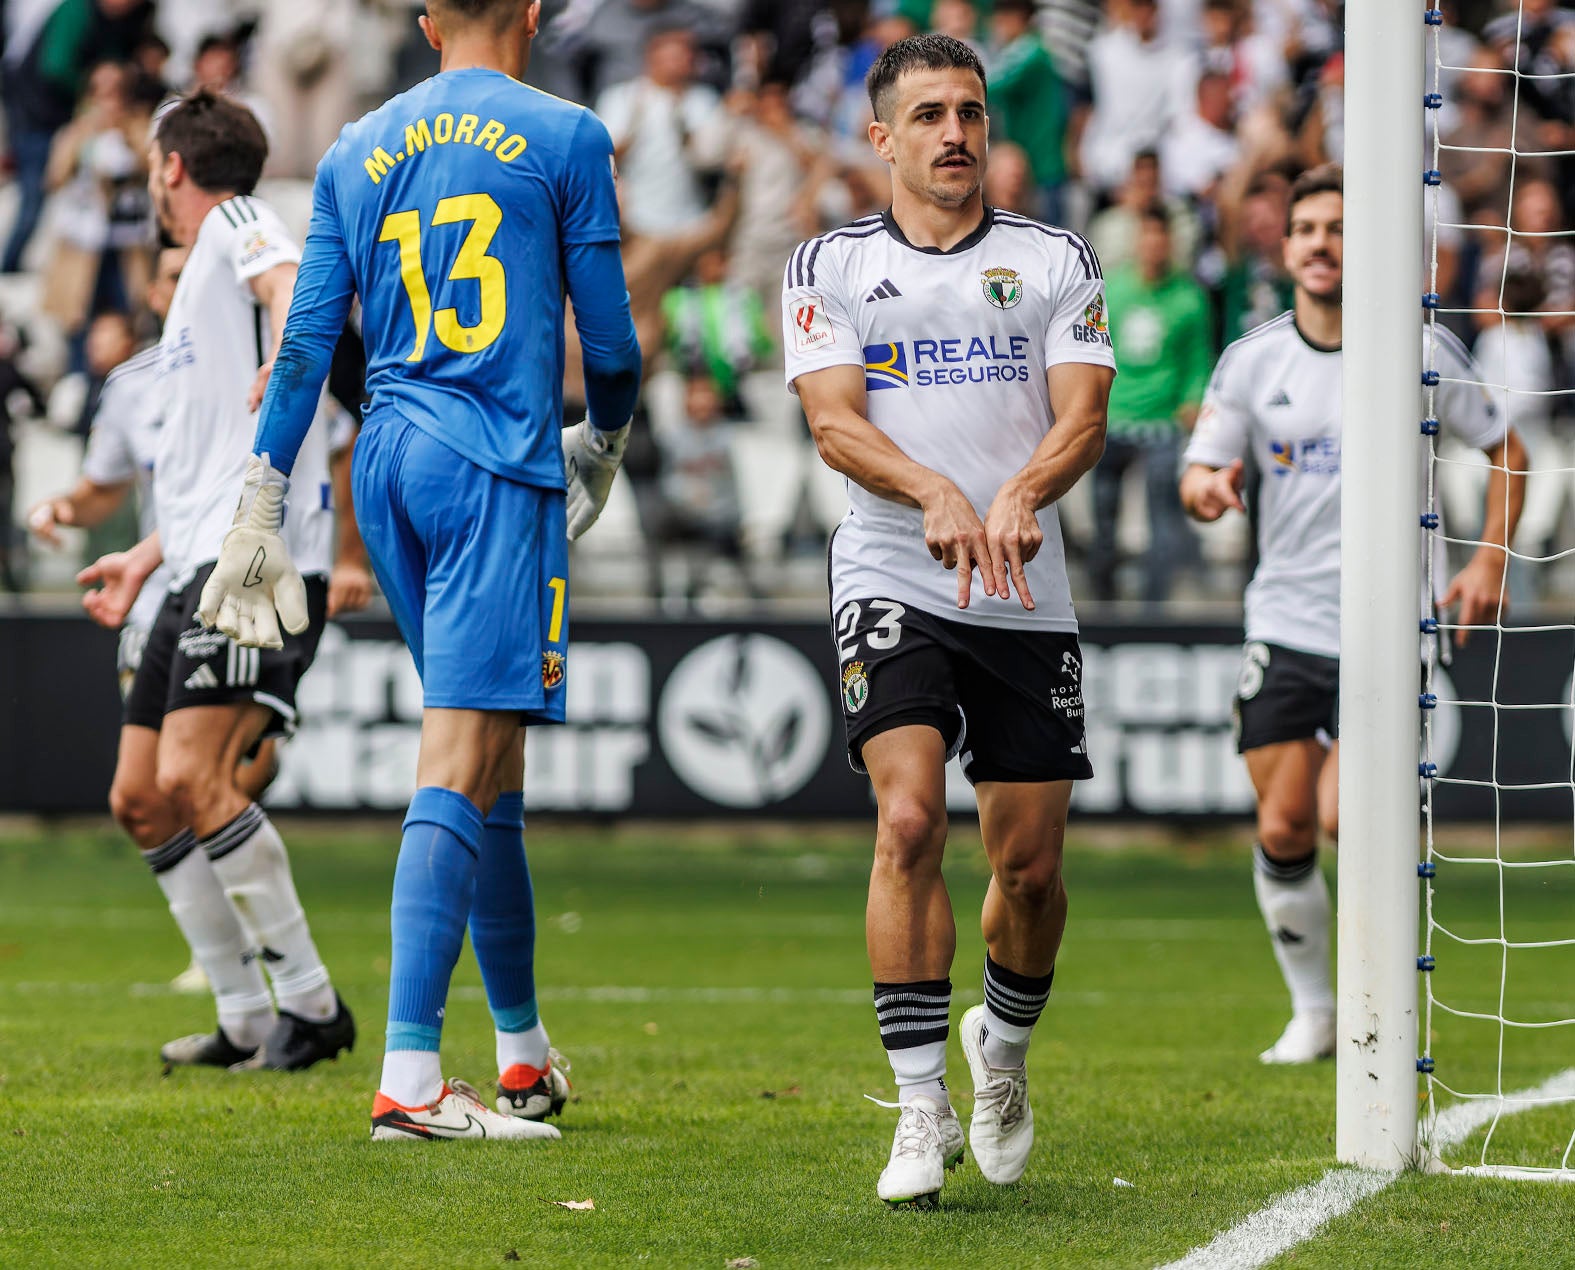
(457, 1112)
(1001, 1129)
(1308, 1037)
(928, 1145)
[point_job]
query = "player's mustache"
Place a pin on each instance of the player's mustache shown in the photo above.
(960, 152)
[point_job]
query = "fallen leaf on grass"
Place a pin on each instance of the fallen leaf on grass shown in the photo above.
(742, 1263)
(513, 1254)
(792, 1091)
(577, 1205)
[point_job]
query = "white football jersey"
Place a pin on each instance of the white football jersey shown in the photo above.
(215, 338)
(121, 447)
(955, 346)
(1274, 402)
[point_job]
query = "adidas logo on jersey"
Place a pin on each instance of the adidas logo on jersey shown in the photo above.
(886, 291)
(202, 677)
(1280, 399)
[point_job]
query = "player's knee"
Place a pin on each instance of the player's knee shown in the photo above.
(912, 835)
(188, 782)
(141, 811)
(1285, 833)
(1030, 882)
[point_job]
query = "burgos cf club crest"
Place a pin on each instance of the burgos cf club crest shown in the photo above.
(855, 687)
(551, 669)
(1002, 287)
(885, 366)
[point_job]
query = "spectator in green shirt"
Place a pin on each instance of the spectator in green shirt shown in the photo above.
(1029, 99)
(717, 327)
(1161, 330)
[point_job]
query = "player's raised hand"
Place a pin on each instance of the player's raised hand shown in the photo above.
(1208, 495)
(1012, 529)
(955, 536)
(117, 577)
(254, 576)
(590, 461)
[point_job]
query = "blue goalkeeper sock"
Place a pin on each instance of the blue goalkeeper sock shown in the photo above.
(503, 934)
(434, 885)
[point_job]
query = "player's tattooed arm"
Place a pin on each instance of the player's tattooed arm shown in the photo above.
(1479, 588)
(833, 401)
(119, 577)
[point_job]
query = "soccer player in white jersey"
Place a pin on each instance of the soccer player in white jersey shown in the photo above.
(199, 701)
(954, 364)
(121, 449)
(1273, 409)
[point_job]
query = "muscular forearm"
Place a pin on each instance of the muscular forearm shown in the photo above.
(850, 444)
(89, 505)
(1069, 450)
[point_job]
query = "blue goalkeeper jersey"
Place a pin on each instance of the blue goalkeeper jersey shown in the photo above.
(454, 211)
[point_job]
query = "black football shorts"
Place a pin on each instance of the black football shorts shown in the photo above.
(1008, 701)
(185, 664)
(1283, 694)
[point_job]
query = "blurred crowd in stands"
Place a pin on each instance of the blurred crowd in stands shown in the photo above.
(1167, 131)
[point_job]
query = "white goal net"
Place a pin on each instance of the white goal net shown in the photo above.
(1497, 1036)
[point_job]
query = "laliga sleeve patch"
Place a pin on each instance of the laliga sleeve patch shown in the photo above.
(811, 326)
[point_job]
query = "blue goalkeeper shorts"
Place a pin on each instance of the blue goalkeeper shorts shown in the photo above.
(474, 566)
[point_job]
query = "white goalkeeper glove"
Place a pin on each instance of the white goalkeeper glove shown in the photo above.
(590, 461)
(254, 575)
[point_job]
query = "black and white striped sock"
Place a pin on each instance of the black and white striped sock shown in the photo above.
(1012, 1005)
(913, 1020)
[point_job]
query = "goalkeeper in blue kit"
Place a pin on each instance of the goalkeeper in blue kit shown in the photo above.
(461, 213)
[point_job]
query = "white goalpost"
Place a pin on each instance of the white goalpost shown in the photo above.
(1376, 1033)
(1433, 1058)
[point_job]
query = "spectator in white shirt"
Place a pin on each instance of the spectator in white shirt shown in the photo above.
(1140, 86)
(667, 130)
(1202, 146)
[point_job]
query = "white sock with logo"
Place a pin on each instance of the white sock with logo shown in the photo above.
(1294, 900)
(250, 861)
(199, 907)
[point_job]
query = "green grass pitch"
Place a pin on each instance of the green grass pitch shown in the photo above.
(711, 992)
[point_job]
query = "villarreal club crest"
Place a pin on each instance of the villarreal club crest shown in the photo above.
(551, 669)
(1002, 287)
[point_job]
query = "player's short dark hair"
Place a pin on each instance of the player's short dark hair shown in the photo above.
(218, 139)
(1326, 178)
(498, 12)
(930, 52)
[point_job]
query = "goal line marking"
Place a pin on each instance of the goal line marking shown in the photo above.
(1300, 1214)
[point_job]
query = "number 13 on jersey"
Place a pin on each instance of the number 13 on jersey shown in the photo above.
(484, 216)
